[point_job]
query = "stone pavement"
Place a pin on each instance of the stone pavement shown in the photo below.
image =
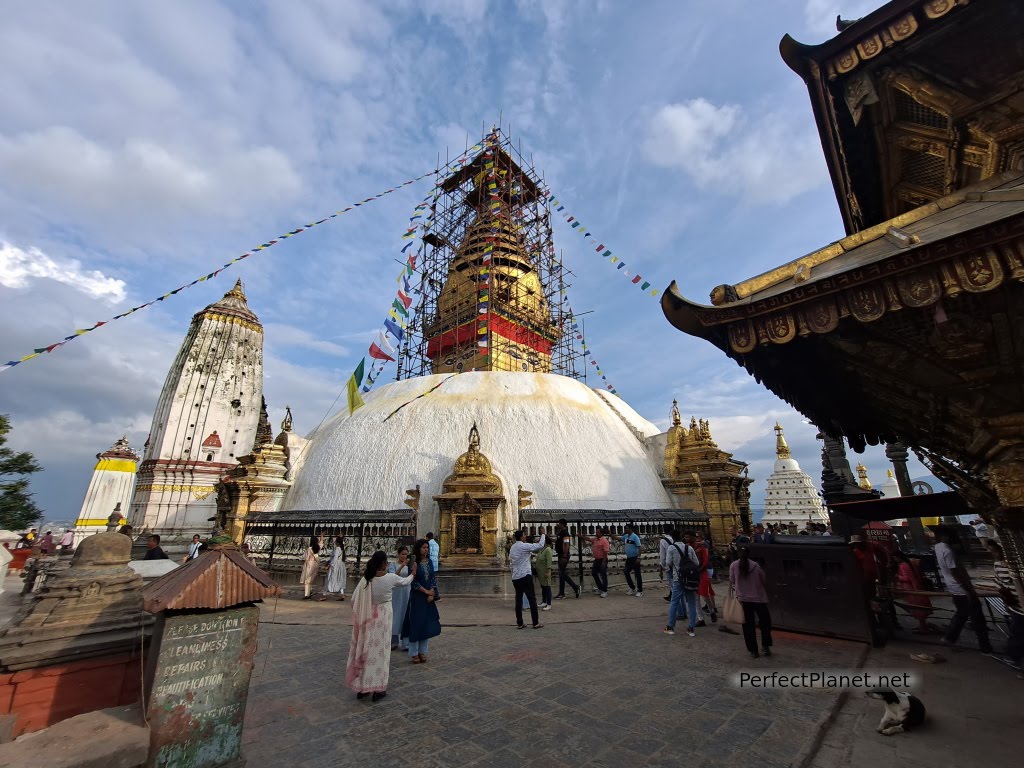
(974, 714)
(599, 685)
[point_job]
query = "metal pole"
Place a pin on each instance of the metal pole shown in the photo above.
(897, 454)
(273, 541)
(359, 547)
(579, 547)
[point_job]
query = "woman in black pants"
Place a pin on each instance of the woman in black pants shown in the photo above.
(747, 579)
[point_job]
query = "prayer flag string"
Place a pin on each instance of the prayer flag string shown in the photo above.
(460, 160)
(401, 310)
(620, 265)
(578, 333)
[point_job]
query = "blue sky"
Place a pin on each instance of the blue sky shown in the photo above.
(144, 145)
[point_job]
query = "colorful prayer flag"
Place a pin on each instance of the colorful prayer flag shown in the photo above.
(394, 330)
(379, 354)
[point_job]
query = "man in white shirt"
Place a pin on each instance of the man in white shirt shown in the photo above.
(522, 577)
(435, 552)
(965, 599)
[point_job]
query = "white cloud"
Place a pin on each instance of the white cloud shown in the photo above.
(821, 15)
(767, 157)
(57, 167)
(19, 268)
(282, 336)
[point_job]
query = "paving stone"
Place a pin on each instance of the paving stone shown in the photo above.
(494, 697)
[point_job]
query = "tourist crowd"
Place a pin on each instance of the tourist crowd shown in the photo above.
(395, 603)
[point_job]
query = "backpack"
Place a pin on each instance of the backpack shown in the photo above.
(689, 572)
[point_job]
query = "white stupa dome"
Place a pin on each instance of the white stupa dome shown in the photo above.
(572, 446)
(787, 465)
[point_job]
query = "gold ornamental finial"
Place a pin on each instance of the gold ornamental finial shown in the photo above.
(862, 477)
(781, 446)
(676, 420)
(238, 291)
(474, 439)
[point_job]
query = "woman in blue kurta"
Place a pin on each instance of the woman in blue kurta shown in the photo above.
(422, 621)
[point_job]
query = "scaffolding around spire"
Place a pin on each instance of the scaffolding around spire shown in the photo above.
(492, 288)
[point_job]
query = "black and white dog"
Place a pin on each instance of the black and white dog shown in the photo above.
(903, 711)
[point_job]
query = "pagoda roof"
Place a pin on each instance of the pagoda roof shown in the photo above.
(873, 336)
(899, 245)
(898, 94)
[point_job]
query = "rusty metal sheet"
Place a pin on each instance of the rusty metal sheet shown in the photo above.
(218, 578)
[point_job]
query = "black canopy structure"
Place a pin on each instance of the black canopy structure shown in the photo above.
(947, 503)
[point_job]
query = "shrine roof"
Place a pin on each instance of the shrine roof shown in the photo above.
(997, 199)
(911, 70)
(610, 515)
(307, 517)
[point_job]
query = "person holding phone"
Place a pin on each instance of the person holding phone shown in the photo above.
(422, 621)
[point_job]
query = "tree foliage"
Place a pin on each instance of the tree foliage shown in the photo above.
(17, 510)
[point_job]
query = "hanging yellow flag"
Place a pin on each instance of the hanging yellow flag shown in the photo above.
(355, 400)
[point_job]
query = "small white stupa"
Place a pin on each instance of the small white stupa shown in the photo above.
(891, 490)
(110, 489)
(791, 497)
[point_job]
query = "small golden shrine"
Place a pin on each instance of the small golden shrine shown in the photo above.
(705, 478)
(469, 508)
(258, 482)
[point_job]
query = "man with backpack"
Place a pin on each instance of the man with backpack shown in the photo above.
(685, 568)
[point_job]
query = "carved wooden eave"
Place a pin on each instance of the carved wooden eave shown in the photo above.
(904, 112)
(914, 334)
(965, 243)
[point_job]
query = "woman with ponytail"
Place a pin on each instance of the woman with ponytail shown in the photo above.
(369, 654)
(749, 582)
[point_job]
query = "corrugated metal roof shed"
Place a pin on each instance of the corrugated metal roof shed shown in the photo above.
(220, 577)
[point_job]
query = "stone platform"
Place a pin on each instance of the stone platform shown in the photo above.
(487, 581)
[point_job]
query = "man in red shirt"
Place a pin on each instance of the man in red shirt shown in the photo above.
(599, 548)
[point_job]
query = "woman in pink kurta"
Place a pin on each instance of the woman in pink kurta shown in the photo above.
(908, 578)
(369, 654)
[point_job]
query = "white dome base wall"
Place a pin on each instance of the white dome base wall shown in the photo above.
(550, 434)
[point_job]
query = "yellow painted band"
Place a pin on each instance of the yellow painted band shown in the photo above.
(103, 523)
(116, 465)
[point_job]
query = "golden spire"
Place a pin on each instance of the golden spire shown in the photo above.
(676, 420)
(862, 477)
(492, 311)
(781, 446)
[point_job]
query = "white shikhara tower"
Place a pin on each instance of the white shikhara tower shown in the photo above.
(110, 489)
(207, 416)
(791, 496)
